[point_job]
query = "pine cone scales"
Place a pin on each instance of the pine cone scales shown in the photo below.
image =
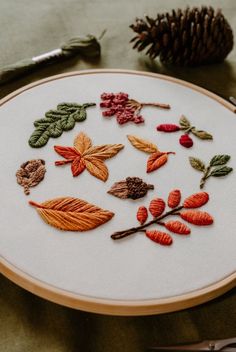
(190, 37)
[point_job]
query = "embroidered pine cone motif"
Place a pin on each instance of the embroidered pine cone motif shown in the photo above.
(131, 187)
(185, 37)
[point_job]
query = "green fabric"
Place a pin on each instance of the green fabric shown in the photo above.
(29, 28)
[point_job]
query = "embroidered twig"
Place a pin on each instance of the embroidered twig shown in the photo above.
(124, 108)
(30, 174)
(216, 167)
(85, 156)
(131, 187)
(184, 124)
(157, 158)
(57, 121)
(157, 207)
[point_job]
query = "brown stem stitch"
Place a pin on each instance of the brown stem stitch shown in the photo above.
(30, 174)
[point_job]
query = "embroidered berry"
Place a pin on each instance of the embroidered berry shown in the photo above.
(197, 217)
(186, 141)
(142, 215)
(157, 207)
(177, 227)
(159, 237)
(174, 198)
(168, 127)
(196, 200)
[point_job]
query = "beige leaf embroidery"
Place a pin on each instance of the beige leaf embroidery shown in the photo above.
(104, 152)
(72, 214)
(82, 142)
(96, 167)
(142, 144)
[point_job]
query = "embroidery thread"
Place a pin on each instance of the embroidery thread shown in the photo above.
(30, 174)
(185, 140)
(157, 208)
(157, 158)
(131, 187)
(216, 167)
(85, 156)
(72, 214)
(124, 108)
(57, 121)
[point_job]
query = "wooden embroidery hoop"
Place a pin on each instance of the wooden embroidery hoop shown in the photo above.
(106, 306)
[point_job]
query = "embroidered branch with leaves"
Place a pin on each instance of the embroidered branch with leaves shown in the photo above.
(156, 159)
(185, 126)
(124, 108)
(85, 156)
(57, 121)
(157, 207)
(216, 167)
(30, 174)
(72, 214)
(131, 187)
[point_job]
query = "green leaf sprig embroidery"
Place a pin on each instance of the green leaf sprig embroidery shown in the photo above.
(57, 121)
(184, 124)
(216, 167)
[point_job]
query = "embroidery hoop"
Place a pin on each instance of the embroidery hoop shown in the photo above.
(109, 306)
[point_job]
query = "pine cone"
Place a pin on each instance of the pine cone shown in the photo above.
(131, 187)
(190, 37)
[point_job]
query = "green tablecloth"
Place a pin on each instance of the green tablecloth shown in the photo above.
(28, 28)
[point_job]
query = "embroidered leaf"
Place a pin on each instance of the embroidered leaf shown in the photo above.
(156, 160)
(157, 207)
(30, 174)
(174, 198)
(57, 121)
(184, 123)
(177, 227)
(103, 152)
(132, 187)
(142, 215)
(82, 142)
(196, 200)
(219, 160)
(77, 166)
(96, 167)
(201, 134)
(197, 164)
(67, 152)
(159, 237)
(221, 171)
(142, 144)
(168, 127)
(197, 217)
(72, 214)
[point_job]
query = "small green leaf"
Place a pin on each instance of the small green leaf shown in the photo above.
(184, 123)
(80, 115)
(68, 122)
(197, 164)
(42, 133)
(221, 171)
(219, 160)
(201, 134)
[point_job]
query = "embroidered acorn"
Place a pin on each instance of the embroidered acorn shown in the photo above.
(197, 217)
(186, 141)
(196, 200)
(142, 215)
(131, 187)
(157, 207)
(177, 227)
(159, 237)
(174, 198)
(168, 127)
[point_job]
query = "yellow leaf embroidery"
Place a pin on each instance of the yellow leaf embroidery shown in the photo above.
(82, 142)
(142, 144)
(104, 152)
(96, 168)
(72, 214)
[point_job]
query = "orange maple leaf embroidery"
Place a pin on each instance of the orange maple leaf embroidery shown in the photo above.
(85, 156)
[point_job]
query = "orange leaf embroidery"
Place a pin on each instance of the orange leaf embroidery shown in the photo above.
(197, 217)
(142, 144)
(72, 214)
(196, 200)
(178, 227)
(159, 237)
(157, 207)
(142, 215)
(83, 155)
(156, 160)
(174, 198)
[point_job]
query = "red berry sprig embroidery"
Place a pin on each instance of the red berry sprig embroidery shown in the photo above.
(185, 140)
(124, 108)
(187, 211)
(156, 159)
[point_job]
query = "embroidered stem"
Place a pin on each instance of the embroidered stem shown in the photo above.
(206, 175)
(158, 105)
(121, 234)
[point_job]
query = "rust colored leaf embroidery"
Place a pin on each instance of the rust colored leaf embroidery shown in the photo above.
(157, 207)
(30, 174)
(156, 159)
(174, 198)
(84, 156)
(72, 214)
(125, 109)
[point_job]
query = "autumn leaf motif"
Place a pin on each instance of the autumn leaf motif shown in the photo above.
(72, 214)
(83, 155)
(156, 159)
